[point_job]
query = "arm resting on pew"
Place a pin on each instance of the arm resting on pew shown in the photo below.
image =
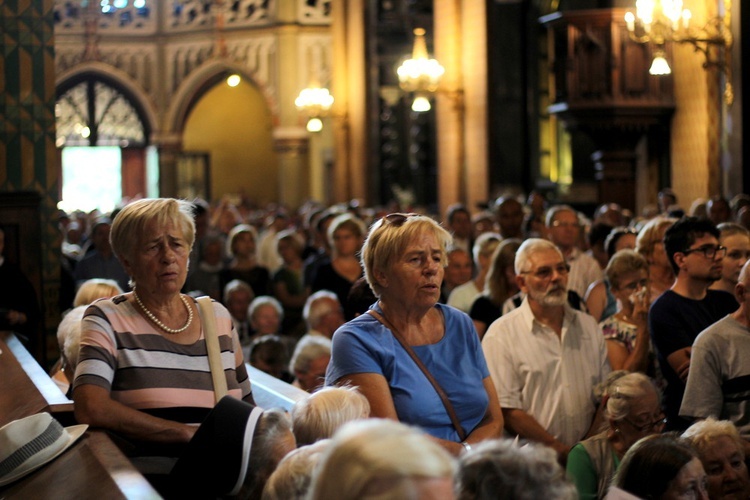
(95, 407)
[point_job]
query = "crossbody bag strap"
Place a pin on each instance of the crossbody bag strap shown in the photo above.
(443, 396)
(212, 346)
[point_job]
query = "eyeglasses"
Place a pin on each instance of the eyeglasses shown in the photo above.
(397, 219)
(650, 426)
(708, 251)
(545, 273)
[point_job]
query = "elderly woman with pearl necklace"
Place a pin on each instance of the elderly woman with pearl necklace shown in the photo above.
(143, 368)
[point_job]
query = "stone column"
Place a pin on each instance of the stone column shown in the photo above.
(292, 146)
(170, 147)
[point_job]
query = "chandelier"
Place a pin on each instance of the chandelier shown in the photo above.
(662, 21)
(315, 102)
(420, 74)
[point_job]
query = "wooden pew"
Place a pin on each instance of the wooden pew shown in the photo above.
(94, 467)
(25, 388)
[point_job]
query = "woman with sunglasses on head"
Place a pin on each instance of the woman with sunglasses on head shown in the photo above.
(408, 338)
(633, 411)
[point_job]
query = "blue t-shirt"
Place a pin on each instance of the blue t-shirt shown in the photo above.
(364, 345)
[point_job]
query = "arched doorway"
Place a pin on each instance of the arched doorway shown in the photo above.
(104, 137)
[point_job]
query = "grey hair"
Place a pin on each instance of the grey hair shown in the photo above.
(265, 300)
(236, 285)
(291, 479)
(704, 433)
(625, 390)
(319, 415)
(307, 350)
(529, 248)
(501, 469)
(273, 426)
(315, 308)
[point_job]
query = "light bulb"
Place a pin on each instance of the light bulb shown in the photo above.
(314, 125)
(421, 104)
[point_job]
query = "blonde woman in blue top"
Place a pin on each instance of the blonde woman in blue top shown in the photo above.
(404, 258)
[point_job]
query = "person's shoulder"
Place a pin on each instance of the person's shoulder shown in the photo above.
(666, 300)
(722, 298)
(724, 329)
(505, 325)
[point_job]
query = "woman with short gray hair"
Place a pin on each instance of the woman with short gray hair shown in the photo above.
(633, 411)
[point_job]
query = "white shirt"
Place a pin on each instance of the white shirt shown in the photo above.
(462, 297)
(550, 378)
(584, 270)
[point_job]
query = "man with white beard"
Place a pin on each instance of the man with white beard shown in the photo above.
(544, 357)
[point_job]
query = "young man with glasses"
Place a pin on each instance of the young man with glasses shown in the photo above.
(681, 313)
(564, 230)
(719, 380)
(544, 357)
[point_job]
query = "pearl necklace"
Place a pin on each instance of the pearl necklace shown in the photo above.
(161, 325)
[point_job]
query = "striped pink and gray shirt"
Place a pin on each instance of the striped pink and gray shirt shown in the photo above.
(122, 352)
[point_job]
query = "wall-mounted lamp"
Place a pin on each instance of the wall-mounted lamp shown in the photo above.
(233, 80)
(314, 102)
(420, 74)
(662, 21)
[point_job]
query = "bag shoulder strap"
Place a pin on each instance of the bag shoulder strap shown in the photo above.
(443, 396)
(212, 346)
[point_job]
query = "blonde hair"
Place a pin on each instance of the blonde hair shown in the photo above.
(650, 235)
(131, 221)
(622, 262)
(95, 288)
(378, 459)
(323, 412)
(389, 239)
(69, 335)
(704, 433)
(292, 477)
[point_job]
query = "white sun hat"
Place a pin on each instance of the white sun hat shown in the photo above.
(29, 443)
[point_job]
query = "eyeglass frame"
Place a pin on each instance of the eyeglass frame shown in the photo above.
(661, 422)
(561, 269)
(705, 250)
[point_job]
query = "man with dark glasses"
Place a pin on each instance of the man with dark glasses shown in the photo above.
(681, 313)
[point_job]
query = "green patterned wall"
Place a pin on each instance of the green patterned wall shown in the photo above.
(28, 157)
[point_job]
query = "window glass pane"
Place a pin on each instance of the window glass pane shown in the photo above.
(91, 178)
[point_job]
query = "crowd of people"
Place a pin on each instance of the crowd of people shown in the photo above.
(520, 351)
